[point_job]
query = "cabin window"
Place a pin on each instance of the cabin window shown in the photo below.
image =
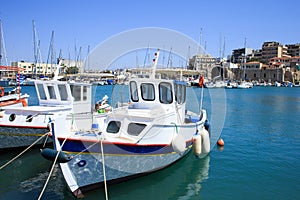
(133, 91)
(84, 93)
(165, 93)
(41, 91)
(113, 127)
(63, 92)
(76, 92)
(135, 128)
(180, 92)
(51, 91)
(147, 90)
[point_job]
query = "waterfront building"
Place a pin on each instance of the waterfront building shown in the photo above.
(203, 63)
(293, 49)
(32, 69)
(273, 49)
(238, 55)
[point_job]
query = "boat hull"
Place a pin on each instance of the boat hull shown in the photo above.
(121, 162)
(13, 137)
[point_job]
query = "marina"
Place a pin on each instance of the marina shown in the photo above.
(147, 100)
(260, 154)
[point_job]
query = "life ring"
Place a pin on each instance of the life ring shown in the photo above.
(2, 92)
(24, 102)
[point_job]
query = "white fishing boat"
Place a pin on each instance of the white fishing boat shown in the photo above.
(22, 126)
(153, 131)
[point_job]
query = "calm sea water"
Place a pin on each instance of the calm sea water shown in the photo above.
(260, 159)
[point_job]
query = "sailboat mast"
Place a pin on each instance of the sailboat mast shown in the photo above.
(34, 42)
(2, 46)
(51, 52)
(245, 59)
(1, 42)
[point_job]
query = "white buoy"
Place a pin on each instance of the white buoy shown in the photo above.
(197, 143)
(205, 141)
(178, 144)
(201, 143)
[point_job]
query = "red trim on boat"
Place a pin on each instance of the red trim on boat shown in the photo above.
(12, 126)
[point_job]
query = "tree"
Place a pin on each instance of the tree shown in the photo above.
(72, 70)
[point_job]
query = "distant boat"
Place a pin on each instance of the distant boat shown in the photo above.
(277, 84)
(244, 85)
(151, 132)
(12, 98)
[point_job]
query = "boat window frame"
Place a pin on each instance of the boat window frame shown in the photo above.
(145, 91)
(51, 92)
(165, 98)
(135, 128)
(63, 92)
(133, 91)
(41, 91)
(116, 124)
(84, 93)
(180, 93)
(76, 92)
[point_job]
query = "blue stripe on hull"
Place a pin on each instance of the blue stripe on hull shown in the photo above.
(118, 149)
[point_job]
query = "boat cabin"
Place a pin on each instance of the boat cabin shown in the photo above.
(67, 94)
(152, 101)
(145, 94)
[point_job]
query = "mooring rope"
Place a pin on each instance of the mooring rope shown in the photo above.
(53, 165)
(85, 149)
(50, 173)
(46, 141)
(103, 168)
(23, 151)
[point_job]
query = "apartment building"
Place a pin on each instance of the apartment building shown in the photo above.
(238, 55)
(30, 68)
(273, 49)
(203, 63)
(293, 49)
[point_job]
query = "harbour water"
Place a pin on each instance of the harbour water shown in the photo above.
(260, 159)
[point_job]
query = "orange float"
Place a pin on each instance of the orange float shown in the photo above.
(220, 142)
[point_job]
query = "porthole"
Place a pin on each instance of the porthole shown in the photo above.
(29, 118)
(12, 117)
(113, 127)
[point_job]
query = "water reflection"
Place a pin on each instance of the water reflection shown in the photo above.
(193, 188)
(181, 180)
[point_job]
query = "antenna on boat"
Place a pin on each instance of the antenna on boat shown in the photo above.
(56, 72)
(155, 59)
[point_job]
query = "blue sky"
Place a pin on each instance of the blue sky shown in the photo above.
(90, 22)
